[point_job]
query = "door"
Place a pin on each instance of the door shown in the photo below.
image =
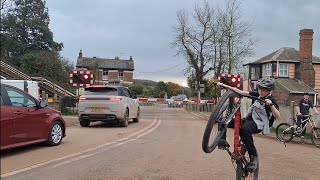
(30, 121)
(6, 124)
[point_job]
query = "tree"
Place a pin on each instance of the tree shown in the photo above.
(27, 41)
(160, 89)
(173, 89)
(25, 28)
(214, 41)
(137, 89)
(47, 64)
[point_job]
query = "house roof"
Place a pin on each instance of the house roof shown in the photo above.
(285, 54)
(105, 63)
(293, 86)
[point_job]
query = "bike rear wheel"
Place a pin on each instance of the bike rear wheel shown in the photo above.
(241, 172)
(284, 132)
(216, 126)
(315, 138)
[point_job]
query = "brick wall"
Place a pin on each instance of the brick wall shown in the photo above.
(128, 76)
(113, 75)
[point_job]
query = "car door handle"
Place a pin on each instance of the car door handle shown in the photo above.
(17, 112)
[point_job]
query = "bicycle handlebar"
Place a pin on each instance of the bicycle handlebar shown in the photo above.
(248, 96)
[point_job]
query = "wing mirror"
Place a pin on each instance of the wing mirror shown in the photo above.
(43, 104)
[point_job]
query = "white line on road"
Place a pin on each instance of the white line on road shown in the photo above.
(120, 141)
(103, 150)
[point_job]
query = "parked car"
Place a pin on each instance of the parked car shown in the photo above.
(25, 120)
(108, 104)
(30, 87)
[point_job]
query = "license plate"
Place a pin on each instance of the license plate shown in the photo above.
(97, 109)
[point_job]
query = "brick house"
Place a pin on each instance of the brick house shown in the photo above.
(107, 71)
(295, 71)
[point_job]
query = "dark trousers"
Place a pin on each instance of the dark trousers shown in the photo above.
(248, 128)
(299, 119)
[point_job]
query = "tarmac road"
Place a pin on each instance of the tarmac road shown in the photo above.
(164, 145)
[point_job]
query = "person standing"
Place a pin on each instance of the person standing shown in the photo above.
(303, 109)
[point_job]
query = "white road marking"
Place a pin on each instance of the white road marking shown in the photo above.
(120, 142)
(103, 150)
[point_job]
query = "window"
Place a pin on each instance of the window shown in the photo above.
(255, 73)
(121, 76)
(267, 69)
(125, 92)
(20, 99)
(105, 75)
(283, 70)
(1, 101)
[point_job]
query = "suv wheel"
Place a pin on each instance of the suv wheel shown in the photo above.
(138, 116)
(125, 121)
(84, 123)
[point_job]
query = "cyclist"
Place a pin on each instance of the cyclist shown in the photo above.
(303, 109)
(257, 118)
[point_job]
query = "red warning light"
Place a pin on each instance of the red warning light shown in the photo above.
(85, 77)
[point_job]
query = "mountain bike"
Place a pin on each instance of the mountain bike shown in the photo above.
(285, 132)
(228, 109)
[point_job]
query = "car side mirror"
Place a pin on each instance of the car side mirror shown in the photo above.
(43, 104)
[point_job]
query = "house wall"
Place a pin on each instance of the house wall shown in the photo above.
(245, 85)
(281, 96)
(128, 76)
(317, 77)
(113, 75)
(292, 68)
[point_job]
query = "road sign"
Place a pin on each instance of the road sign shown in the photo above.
(81, 78)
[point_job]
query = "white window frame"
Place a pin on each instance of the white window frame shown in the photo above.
(105, 75)
(283, 70)
(120, 76)
(246, 73)
(267, 69)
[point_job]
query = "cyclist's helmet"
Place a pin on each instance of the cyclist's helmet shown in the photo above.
(266, 83)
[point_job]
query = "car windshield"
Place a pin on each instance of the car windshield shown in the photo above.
(101, 91)
(182, 97)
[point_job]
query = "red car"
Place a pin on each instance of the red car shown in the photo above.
(24, 120)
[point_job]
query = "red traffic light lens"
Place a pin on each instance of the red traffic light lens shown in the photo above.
(233, 80)
(85, 77)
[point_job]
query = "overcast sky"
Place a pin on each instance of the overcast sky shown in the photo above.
(143, 29)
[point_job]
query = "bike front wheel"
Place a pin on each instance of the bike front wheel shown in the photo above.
(284, 132)
(315, 138)
(216, 128)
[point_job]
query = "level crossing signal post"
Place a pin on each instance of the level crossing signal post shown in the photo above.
(199, 88)
(81, 79)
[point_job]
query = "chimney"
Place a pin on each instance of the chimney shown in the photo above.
(304, 70)
(80, 53)
(305, 47)
(130, 58)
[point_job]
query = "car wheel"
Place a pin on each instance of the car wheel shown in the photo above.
(84, 123)
(125, 121)
(138, 116)
(55, 134)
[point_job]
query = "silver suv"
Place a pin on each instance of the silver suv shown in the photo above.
(108, 104)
